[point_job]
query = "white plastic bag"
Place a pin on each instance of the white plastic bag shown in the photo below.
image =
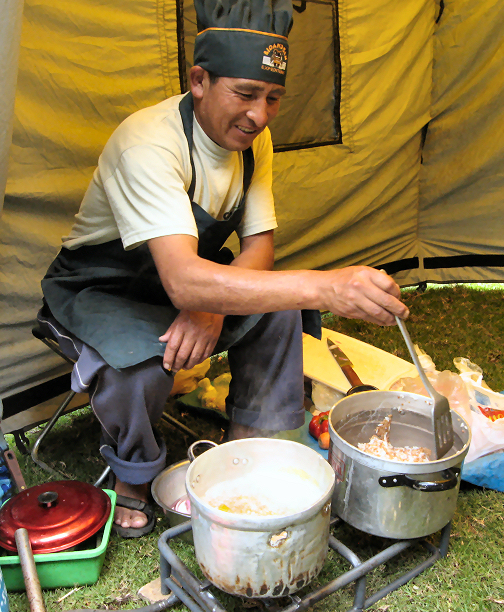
(447, 383)
(481, 408)
(486, 414)
(324, 397)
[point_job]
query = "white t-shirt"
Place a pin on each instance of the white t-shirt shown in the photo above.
(139, 189)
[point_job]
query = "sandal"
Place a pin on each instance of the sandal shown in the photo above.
(132, 504)
(135, 504)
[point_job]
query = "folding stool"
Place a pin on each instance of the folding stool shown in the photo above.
(38, 332)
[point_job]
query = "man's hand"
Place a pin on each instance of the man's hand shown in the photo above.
(190, 339)
(359, 292)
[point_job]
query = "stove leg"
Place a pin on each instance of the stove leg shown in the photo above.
(437, 553)
(165, 571)
(360, 595)
(185, 587)
(445, 540)
(184, 597)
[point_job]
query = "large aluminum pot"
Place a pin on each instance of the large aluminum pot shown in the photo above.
(256, 555)
(389, 498)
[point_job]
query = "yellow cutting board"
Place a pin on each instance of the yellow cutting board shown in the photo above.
(371, 364)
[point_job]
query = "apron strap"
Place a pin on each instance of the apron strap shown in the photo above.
(248, 170)
(186, 109)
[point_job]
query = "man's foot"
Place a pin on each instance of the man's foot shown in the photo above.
(133, 515)
(124, 516)
(238, 432)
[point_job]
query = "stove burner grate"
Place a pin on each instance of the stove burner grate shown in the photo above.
(196, 594)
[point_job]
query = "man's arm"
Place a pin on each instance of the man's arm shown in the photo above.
(195, 284)
(193, 335)
(256, 252)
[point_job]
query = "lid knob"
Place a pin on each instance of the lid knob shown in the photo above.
(48, 499)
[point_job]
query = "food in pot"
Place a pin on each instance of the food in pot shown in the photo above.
(383, 449)
(382, 430)
(379, 446)
(265, 493)
(244, 504)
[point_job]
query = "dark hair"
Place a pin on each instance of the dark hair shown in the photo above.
(213, 77)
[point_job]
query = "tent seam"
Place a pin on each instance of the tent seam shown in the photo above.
(346, 139)
(420, 255)
(163, 47)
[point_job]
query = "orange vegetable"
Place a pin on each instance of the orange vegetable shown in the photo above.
(324, 439)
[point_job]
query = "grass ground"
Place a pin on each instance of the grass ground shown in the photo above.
(447, 322)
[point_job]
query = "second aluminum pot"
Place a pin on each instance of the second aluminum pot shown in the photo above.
(167, 489)
(390, 498)
(261, 555)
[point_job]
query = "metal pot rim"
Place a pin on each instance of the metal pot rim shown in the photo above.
(242, 522)
(159, 478)
(393, 466)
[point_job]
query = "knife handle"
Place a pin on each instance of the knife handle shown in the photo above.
(352, 377)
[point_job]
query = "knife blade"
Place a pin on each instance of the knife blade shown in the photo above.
(344, 363)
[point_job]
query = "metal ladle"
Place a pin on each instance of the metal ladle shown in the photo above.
(441, 414)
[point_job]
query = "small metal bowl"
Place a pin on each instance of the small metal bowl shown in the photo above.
(167, 488)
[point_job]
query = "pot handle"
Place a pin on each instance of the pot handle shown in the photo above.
(195, 445)
(449, 481)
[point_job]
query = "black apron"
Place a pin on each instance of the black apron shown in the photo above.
(113, 299)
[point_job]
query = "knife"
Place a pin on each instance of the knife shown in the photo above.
(347, 368)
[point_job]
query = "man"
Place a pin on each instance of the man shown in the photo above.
(143, 286)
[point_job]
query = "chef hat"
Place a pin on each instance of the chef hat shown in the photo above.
(244, 38)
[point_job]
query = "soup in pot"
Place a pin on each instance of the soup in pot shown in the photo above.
(264, 493)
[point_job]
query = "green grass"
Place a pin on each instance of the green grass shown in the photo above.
(447, 322)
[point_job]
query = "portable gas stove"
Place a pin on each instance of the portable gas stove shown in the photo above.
(196, 594)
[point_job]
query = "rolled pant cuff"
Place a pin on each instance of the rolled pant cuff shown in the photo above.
(271, 421)
(134, 473)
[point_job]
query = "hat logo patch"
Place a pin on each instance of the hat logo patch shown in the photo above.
(275, 58)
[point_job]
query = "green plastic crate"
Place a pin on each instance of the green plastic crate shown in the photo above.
(63, 569)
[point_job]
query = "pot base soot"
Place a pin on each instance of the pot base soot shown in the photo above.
(260, 511)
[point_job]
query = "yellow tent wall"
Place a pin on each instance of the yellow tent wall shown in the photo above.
(405, 77)
(461, 195)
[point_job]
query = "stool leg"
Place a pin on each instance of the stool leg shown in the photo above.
(22, 442)
(46, 430)
(102, 477)
(53, 343)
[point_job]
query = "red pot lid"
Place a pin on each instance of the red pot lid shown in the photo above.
(57, 515)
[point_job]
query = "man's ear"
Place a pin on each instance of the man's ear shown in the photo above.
(197, 76)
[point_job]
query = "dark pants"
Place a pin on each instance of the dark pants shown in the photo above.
(266, 391)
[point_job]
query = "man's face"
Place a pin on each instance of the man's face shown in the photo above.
(232, 111)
